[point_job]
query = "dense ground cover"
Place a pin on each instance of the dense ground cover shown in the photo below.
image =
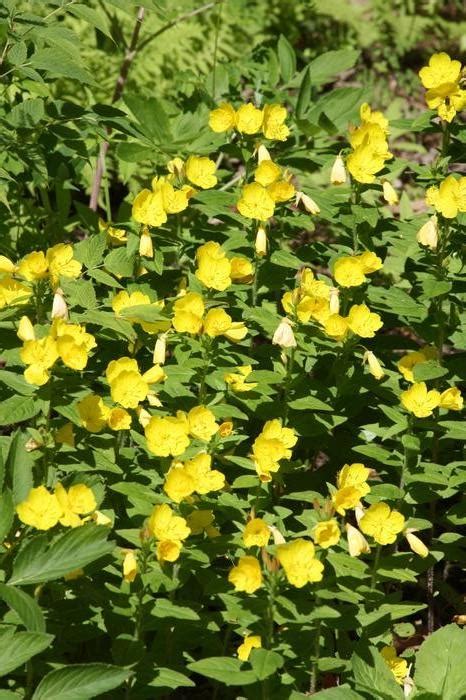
(232, 351)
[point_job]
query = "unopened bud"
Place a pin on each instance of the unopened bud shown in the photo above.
(25, 329)
(357, 543)
(375, 368)
(59, 306)
(146, 249)
(176, 167)
(338, 172)
(334, 302)
(262, 154)
(416, 545)
(284, 335)
(160, 349)
(153, 400)
(428, 234)
(277, 535)
(261, 242)
(388, 193)
(143, 416)
(359, 512)
(307, 202)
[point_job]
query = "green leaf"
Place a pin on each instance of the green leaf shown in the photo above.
(343, 692)
(264, 662)
(165, 608)
(428, 370)
(151, 117)
(94, 18)
(329, 64)
(225, 669)
(58, 62)
(285, 259)
(456, 429)
(17, 409)
(304, 95)
(287, 59)
(17, 648)
(25, 606)
(80, 682)
(27, 114)
(373, 676)
(19, 466)
(168, 678)
(7, 513)
(119, 263)
(91, 250)
(309, 403)
(440, 663)
(40, 561)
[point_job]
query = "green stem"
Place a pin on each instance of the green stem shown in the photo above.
(217, 32)
(315, 659)
(287, 382)
(206, 350)
(375, 566)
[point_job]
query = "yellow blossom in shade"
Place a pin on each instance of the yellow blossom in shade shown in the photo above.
(93, 413)
(118, 419)
(242, 269)
(407, 363)
(226, 428)
(40, 355)
(65, 435)
(188, 313)
(7, 266)
(381, 523)
(77, 500)
(25, 329)
(13, 292)
(201, 423)
(130, 566)
(237, 380)
(273, 126)
(200, 171)
(33, 266)
(336, 326)
(256, 533)
(248, 119)
(419, 400)
(326, 533)
(168, 550)
(41, 509)
(252, 641)
(281, 191)
(345, 498)
(62, 263)
(375, 368)
(267, 172)
(389, 193)
(256, 202)
(428, 233)
(166, 436)
(440, 70)
(451, 399)
(116, 236)
(223, 118)
(449, 197)
(213, 267)
(416, 544)
(348, 272)
(397, 665)
(354, 475)
(148, 208)
(246, 575)
(179, 484)
(363, 322)
(357, 543)
(298, 560)
(338, 174)
(200, 521)
(124, 300)
(163, 524)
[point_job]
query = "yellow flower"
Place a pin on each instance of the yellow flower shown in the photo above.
(129, 388)
(166, 436)
(256, 533)
(357, 543)
(34, 266)
(451, 399)
(148, 208)
(168, 550)
(93, 413)
(118, 419)
(447, 99)
(205, 478)
(7, 266)
(237, 380)
(163, 524)
(41, 509)
(256, 202)
(124, 300)
(40, 355)
(218, 322)
(261, 243)
(173, 200)
(348, 272)
(200, 521)
(375, 368)
(25, 329)
(449, 198)
(223, 118)
(370, 116)
(283, 334)
(418, 400)
(338, 173)
(179, 484)
(78, 500)
(441, 69)
(201, 423)
(213, 267)
(346, 498)
(188, 313)
(299, 563)
(73, 343)
(336, 326)
(354, 475)
(281, 191)
(381, 523)
(249, 119)
(252, 641)
(200, 171)
(389, 193)
(226, 428)
(326, 533)
(428, 233)
(242, 269)
(273, 444)
(416, 545)
(370, 262)
(13, 292)
(267, 172)
(65, 435)
(130, 566)
(62, 263)
(407, 363)
(273, 126)
(397, 665)
(246, 575)
(363, 322)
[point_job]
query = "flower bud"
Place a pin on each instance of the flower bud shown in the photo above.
(338, 172)
(160, 349)
(143, 416)
(428, 234)
(130, 566)
(375, 368)
(59, 307)
(308, 203)
(359, 512)
(153, 399)
(261, 242)
(277, 535)
(388, 193)
(146, 249)
(284, 335)
(416, 545)
(226, 428)
(357, 543)
(176, 167)
(334, 303)
(25, 329)
(262, 154)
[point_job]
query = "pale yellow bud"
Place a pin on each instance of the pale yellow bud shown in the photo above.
(308, 203)
(153, 400)
(261, 243)
(428, 234)
(176, 167)
(59, 307)
(284, 335)
(375, 368)
(262, 154)
(416, 545)
(160, 349)
(146, 249)
(338, 172)
(357, 543)
(359, 512)
(334, 301)
(101, 519)
(130, 566)
(277, 535)
(143, 416)
(25, 329)
(388, 193)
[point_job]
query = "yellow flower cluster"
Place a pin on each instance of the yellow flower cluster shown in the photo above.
(237, 381)
(369, 146)
(216, 271)
(189, 317)
(248, 119)
(126, 300)
(449, 198)
(128, 386)
(43, 510)
(442, 78)
(170, 435)
(273, 444)
(351, 271)
(422, 402)
(194, 476)
(95, 415)
(169, 530)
